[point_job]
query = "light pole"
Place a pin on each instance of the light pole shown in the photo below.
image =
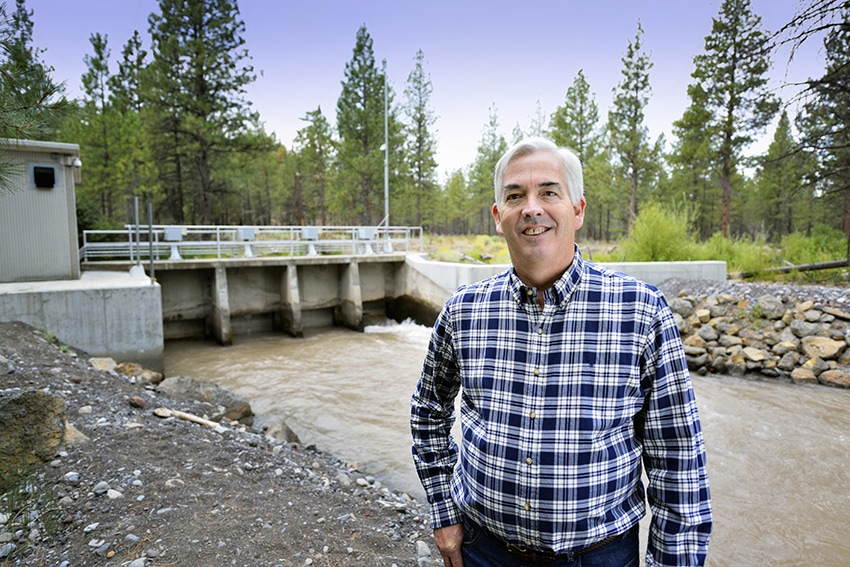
(386, 158)
(386, 151)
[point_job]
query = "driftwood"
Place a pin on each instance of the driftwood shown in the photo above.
(831, 265)
(165, 412)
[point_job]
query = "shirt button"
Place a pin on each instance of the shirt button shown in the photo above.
(540, 331)
(526, 507)
(532, 414)
(529, 460)
(537, 372)
(529, 292)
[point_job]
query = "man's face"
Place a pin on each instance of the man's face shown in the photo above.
(536, 216)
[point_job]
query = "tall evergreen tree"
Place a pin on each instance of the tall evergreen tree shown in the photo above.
(575, 125)
(825, 122)
(733, 73)
(490, 148)
(126, 85)
(629, 136)
(136, 164)
(99, 141)
(196, 90)
(421, 144)
(783, 201)
(693, 176)
(360, 127)
(314, 148)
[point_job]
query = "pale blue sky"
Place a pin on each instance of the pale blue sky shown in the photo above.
(477, 53)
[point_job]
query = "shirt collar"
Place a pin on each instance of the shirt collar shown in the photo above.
(559, 293)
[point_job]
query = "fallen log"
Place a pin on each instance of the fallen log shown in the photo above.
(165, 412)
(831, 265)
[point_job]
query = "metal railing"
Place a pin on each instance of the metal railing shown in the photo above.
(178, 242)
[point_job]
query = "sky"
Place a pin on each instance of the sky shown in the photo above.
(515, 57)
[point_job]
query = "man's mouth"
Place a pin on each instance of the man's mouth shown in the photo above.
(534, 230)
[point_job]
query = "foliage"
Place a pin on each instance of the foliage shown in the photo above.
(195, 91)
(361, 129)
(639, 161)
(825, 122)
(658, 235)
(421, 144)
(742, 255)
(732, 73)
(32, 105)
(481, 183)
(314, 156)
(824, 244)
(171, 126)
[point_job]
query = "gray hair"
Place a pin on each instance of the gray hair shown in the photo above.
(570, 164)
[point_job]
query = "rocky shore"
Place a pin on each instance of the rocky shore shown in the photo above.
(797, 333)
(126, 474)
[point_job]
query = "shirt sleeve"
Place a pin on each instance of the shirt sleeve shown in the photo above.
(431, 418)
(674, 452)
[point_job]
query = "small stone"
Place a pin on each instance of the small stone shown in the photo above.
(137, 401)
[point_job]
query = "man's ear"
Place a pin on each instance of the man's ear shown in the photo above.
(579, 210)
(497, 217)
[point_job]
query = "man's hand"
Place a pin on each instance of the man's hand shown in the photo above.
(448, 541)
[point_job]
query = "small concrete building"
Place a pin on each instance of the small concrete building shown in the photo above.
(38, 221)
(114, 314)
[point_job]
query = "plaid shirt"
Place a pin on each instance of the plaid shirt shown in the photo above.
(558, 407)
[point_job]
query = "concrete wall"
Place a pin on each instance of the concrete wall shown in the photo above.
(447, 277)
(223, 298)
(115, 314)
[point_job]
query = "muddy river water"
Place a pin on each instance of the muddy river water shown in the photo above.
(778, 453)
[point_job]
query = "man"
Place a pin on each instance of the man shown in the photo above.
(571, 376)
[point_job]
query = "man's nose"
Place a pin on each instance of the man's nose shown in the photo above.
(532, 207)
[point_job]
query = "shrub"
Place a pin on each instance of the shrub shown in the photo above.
(658, 235)
(824, 244)
(740, 254)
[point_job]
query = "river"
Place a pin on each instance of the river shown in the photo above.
(778, 453)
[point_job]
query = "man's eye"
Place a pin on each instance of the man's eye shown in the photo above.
(512, 197)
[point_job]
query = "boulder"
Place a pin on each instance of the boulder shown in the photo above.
(839, 377)
(822, 347)
(770, 307)
(33, 430)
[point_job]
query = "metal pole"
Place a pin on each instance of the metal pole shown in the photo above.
(386, 157)
(138, 244)
(150, 239)
(386, 151)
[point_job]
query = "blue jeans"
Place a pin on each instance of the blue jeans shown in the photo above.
(480, 549)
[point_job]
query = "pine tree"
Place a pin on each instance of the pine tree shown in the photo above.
(693, 173)
(481, 189)
(629, 136)
(196, 90)
(825, 122)
(360, 127)
(314, 148)
(575, 125)
(421, 144)
(733, 73)
(32, 105)
(99, 141)
(782, 196)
